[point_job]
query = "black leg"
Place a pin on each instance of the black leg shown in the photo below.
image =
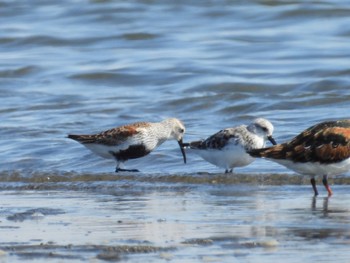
(125, 170)
(313, 183)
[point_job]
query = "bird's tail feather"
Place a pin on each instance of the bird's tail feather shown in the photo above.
(81, 138)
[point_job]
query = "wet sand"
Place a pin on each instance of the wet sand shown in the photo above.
(172, 218)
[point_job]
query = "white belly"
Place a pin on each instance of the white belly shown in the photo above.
(102, 150)
(226, 158)
(316, 168)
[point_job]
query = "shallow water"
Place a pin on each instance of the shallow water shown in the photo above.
(86, 66)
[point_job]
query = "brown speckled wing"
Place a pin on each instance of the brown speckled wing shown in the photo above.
(111, 137)
(327, 142)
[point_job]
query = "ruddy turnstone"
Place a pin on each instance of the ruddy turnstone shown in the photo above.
(132, 141)
(228, 148)
(323, 149)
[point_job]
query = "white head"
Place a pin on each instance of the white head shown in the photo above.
(263, 128)
(177, 128)
(177, 131)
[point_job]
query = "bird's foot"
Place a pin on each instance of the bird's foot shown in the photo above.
(126, 170)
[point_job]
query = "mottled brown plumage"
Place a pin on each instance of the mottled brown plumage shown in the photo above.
(327, 142)
(323, 148)
(113, 136)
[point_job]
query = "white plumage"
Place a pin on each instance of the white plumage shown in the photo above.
(228, 148)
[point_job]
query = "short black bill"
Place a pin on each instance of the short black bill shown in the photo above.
(182, 150)
(272, 140)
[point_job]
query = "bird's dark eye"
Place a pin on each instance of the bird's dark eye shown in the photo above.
(181, 130)
(264, 129)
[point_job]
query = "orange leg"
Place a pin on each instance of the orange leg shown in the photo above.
(325, 183)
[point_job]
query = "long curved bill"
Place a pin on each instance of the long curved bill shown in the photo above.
(272, 140)
(182, 149)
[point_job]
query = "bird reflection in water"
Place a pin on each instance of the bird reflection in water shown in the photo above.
(324, 206)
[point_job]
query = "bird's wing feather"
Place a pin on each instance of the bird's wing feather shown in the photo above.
(218, 140)
(326, 142)
(117, 136)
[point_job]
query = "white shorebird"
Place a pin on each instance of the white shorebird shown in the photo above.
(132, 141)
(323, 149)
(228, 148)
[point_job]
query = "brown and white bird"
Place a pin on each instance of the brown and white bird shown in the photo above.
(323, 149)
(228, 148)
(132, 141)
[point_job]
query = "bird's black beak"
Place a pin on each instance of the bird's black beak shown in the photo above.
(272, 140)
(182, 149)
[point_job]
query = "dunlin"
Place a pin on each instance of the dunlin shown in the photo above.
(132, 141)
